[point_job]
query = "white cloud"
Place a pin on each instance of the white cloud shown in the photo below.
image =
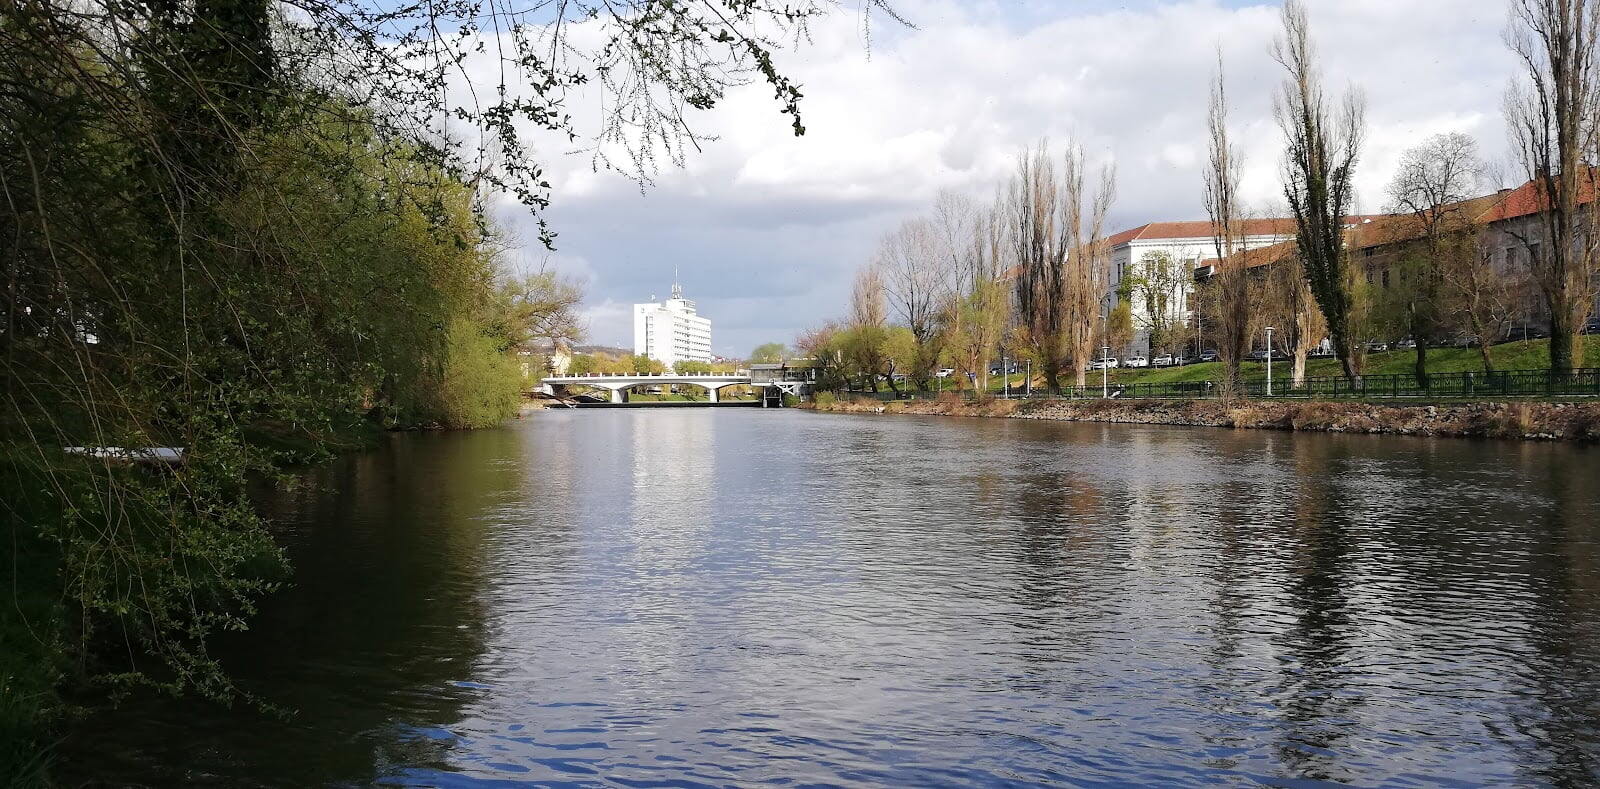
(766, 227)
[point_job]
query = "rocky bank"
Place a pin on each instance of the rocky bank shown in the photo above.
(1532, 421)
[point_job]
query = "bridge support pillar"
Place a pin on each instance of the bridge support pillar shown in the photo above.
(711, 395)
(618, 397)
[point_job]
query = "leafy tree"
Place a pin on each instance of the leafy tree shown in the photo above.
(644, 365)
(584, 364)
(1159, 286)
(1119, 327)
(688, 367)
(768, 353)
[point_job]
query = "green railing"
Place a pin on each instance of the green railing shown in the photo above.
(1464, 385)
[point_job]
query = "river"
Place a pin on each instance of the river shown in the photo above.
(736, 597)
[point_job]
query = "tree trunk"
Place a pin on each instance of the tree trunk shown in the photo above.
(1563, 339)
(1298, 376)
(1488, 360)
(1422, 363)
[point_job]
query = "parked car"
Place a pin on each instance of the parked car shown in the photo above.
(1104, 364)
(1405, 344)
(1012, 369)
(946, 372)
(1163, 361)
(1136, 361)
(1209, 356)
(1320, 353)
(1592, 327)
(1377, 347)
(1523, 331)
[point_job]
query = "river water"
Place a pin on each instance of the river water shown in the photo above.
(739, 597)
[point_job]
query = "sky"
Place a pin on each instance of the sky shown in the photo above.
(765, 229)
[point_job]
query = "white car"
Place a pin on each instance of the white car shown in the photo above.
(946, 372)
(1103, 364)
(1136, 361)
(1163, 361)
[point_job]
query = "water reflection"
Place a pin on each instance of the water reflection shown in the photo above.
(736, 597)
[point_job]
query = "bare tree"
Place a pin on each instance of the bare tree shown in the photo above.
(1553, 114)
(1480, 297)
(1432, 183)
(980, 305)
(1230, 282)
(1060, 257)
(915, 267)
(1323, 148)
(1290, 308)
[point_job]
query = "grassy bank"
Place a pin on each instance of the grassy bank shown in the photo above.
(1530, 421)
(1530, 355)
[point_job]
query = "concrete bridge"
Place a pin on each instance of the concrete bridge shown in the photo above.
(619, 383)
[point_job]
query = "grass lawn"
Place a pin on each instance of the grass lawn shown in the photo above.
(1530, 355)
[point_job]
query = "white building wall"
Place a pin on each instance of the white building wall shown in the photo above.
(671, 331)
(1187, 252)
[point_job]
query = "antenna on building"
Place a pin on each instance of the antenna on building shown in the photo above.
(677, 290)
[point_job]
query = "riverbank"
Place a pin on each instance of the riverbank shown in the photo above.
(1529, 421)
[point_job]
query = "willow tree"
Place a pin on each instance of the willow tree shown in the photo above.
(1323, 147)
(978, 302)
(1554, 114)
(1060, 258)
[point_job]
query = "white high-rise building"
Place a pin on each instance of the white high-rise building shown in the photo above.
(671, 331)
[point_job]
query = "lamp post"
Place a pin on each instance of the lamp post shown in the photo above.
(1028, 384)
(1105, 371)
(1269, 361)
(1005, 380)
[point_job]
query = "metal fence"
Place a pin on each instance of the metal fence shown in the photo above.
(1466, 385)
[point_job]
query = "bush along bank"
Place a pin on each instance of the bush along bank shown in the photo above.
(1532, 421)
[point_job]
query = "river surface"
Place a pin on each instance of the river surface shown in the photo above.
(742, 597)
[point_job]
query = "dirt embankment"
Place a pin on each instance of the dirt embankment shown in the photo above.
(1534, 421)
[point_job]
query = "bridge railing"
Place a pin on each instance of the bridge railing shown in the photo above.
(653, 375)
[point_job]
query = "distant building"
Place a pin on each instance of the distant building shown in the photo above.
(1507, 229)
(671, 331)
(1186, 245)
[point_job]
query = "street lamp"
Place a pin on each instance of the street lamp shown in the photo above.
(1269, 361)
(1028, 384)
(1005, 380)
(1105, 371)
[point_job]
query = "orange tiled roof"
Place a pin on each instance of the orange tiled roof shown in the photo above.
(1529, 199)
(1159, 231)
